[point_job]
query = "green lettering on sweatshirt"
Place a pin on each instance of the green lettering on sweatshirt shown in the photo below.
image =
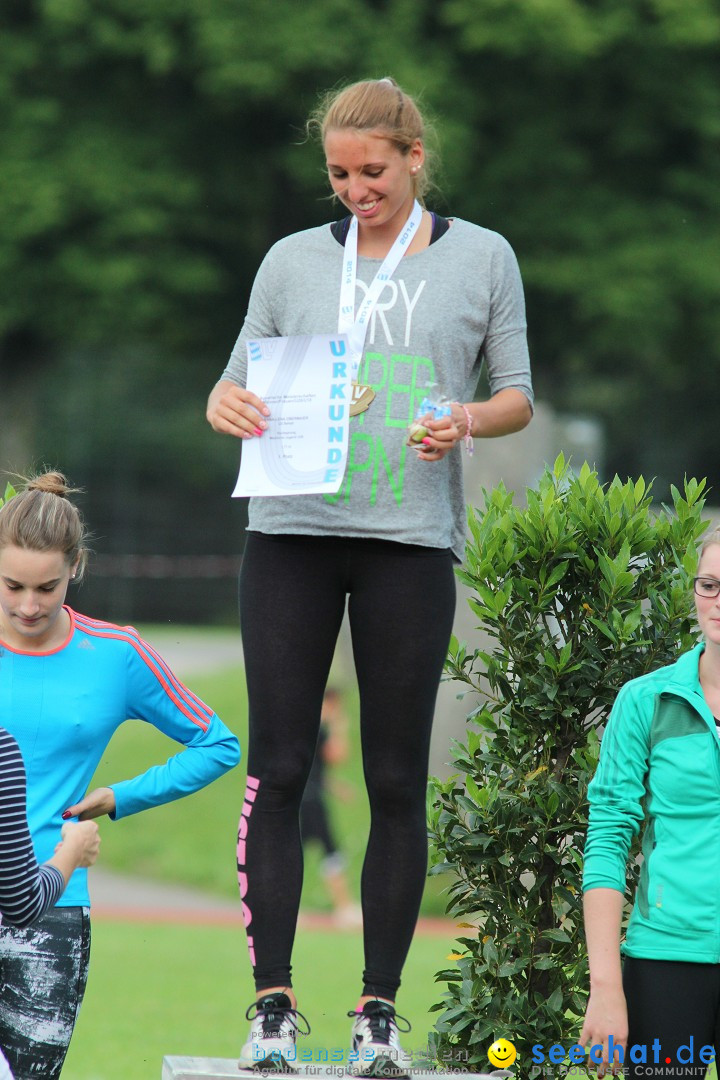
(406, 380)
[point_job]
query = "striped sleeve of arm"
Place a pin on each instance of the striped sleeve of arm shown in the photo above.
(26, 889)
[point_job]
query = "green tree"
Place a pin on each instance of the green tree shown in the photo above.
(152, 153)
(590, 138)
(582, 590)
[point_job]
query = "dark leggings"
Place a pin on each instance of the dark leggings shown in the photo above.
(401, 607)
(43, 971)
(678, 1004)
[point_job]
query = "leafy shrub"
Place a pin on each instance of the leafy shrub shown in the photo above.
(584, 588)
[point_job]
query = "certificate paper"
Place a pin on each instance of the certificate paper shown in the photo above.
(305, 382)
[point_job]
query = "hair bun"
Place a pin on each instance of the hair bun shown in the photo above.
(53, 483)
(43, 517)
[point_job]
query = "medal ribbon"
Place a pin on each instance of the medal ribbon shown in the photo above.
(348, 323)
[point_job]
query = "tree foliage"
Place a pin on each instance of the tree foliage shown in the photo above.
(7, 494)
(151, 153)
(584, 589)
(154, 152)
(591, 139)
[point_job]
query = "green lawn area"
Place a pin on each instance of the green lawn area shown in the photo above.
(169, 989)
(192, 841)
(183, 990)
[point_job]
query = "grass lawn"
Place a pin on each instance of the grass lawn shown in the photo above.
(168, 989)
(192, 841)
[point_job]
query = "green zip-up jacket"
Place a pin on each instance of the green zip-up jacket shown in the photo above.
(660, 763)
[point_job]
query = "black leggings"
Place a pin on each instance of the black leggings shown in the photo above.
(678, 1004)
(401, 608)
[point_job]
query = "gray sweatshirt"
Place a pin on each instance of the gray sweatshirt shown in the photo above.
(447, 308)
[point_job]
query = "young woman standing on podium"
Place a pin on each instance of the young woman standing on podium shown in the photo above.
(423, 300)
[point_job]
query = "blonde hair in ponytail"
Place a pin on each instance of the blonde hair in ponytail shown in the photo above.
(381, 106)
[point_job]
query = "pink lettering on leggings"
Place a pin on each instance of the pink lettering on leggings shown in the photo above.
(250, 794)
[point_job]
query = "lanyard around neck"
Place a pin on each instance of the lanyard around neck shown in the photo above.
(356, 326)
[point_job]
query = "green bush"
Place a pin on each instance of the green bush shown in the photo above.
(584, 588)
(9, 492)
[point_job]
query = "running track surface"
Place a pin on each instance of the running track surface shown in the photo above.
(123, 898)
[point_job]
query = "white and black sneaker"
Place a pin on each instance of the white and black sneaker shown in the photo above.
(270, 1046)
(375, 1048)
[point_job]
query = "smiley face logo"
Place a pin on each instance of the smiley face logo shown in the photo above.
(502, 1053)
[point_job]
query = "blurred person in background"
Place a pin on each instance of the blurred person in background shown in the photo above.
(315, 818)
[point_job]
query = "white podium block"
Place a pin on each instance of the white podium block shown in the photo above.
(199, 1068)
(194, 1068)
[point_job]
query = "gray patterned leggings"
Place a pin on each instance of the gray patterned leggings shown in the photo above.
(43, 972)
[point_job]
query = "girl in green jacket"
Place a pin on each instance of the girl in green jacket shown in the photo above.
(659, 770)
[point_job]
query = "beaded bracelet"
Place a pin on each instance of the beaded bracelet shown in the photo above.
(467, 437)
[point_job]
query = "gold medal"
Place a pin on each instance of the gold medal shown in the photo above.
(362, 398)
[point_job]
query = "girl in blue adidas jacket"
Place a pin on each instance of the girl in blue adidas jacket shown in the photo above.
(659, 769)
(66, 684)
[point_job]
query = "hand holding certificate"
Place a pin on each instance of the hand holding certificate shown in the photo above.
(305, 382)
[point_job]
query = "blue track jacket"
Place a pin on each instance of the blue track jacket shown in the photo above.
(63, 707)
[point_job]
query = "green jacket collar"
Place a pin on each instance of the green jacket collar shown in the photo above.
(684, 682)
